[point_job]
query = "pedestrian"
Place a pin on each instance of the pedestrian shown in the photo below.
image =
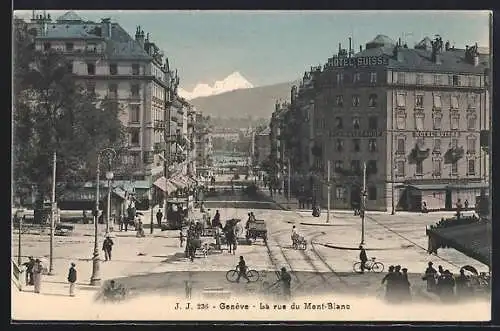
(462, 284)
(159, 217)
(37, 275)
(363, 258)
(389, 284)
(430, 277)
(84, 216)
(181, 238)
(242, 270)
(107, 247)
(72, 279)
(29, 270)
(466, 205)
(405, 286)
(286, 280)
(121, 221)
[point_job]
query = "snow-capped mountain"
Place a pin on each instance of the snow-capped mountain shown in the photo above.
(234, 81)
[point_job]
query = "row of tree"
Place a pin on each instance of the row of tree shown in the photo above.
(52, 111)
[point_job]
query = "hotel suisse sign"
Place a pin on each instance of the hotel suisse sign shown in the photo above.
(436, 134)
(361, 133)
(362, 61)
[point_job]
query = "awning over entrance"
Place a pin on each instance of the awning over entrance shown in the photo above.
(473, 240)
(429, 187)
(165, 185)
(443, 187)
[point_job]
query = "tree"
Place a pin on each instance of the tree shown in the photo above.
(53, 112)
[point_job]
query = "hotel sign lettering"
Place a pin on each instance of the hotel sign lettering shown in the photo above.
(367, 134)
(362, 61)
(436, 134)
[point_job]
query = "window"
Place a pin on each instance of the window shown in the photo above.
(471, 167)
(437, 145)
(338, 165)
(372, 145)
(371, 166)
(135, 69)
(436, 167)
(355, 100)
(472, 101)
(401, 100)
(113, 90)
(356, 78)
(436, 122)
(419, 101)
(90, 87)
(471, 122)
(372, 193)
(372, 100)
(401, 146)
(356, 166)
(401, 122)
(134, 90)
(401, 77)
(471, 145)
(420, 79)
(356, 145)
(113, 69)
(454, 102)
(340, 145)
(46, 46)
(90, 68)
(455, 80)
(454, 168)
(419, 167)
(340, 101)
(373, 77)
(338, 122)
(454, 143)
(419, 122)
(437, 102)
(134, 137)
(135, 113)
(372, 123)
(340, 78)
(69, 47)
(355, 123)
(340, 193)
(400, 168)
(437, 79)
(472, 80)
(455, 122)
(70, 67)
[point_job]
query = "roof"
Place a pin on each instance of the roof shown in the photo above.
(382, 40)
(473, 240)
(425, 43)
(265, 132)
(452, 60)
(69, 16)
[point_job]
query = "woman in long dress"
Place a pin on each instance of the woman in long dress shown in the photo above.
(37, 275)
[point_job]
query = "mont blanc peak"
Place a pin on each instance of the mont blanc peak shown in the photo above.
(234, 81)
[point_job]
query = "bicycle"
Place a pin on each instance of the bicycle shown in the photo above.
(370, 265)
(232, 275)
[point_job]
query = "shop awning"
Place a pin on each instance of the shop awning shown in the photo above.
(473, 240)
(192, 181)
(165, 185)
(469, 186)
(178, 182)
(429, 187)
(443, 187)
(120, 192)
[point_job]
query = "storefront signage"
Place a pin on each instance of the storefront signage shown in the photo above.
(436, 134)
(357, 133)
(362, 61)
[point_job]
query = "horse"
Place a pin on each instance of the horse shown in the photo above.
(230, 234)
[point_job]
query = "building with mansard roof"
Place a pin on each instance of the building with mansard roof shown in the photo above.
(417, 117)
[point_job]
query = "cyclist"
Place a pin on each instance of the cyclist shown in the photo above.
(363, 258)
(295, 234)
(242, 270)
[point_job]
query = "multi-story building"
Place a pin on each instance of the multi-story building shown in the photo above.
(203, 142)
(261, 146)
(413, 116)
(133, 71)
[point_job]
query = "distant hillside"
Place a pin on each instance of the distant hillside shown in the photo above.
(257, 102)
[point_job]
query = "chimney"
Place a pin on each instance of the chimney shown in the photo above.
(350, 46)
(106, 27)
(399, 41)
(139, 36)
(360, 48)
(340, 48)
(475, 56)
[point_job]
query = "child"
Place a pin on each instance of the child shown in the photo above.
(181, 237)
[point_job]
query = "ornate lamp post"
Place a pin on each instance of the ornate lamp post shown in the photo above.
(110, 155)
(109, 177)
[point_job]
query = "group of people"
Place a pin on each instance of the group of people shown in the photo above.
(397, 285)
(445, 285)
(35, 269)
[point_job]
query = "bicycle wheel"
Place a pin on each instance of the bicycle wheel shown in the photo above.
(356, 267)
(253, 275)
(378, 267)
(232, 275)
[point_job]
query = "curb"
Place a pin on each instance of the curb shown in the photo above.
(324, 224)
(356, 248)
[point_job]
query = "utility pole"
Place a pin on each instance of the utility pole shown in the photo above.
(329, 192)
(363, 205)
(150, 196)
(95, 280)
(53, 214)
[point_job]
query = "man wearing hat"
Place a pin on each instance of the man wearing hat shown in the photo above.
(286, 279)
(72, 279)
(430, 277)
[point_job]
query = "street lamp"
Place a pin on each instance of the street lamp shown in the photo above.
(109, 177)
(110, 155)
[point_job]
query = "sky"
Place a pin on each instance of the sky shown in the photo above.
(269, 47)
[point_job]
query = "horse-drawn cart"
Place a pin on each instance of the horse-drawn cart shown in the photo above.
(256, 229)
